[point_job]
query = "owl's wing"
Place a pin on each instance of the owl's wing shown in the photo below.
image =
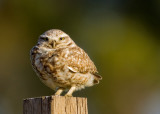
(78, 61)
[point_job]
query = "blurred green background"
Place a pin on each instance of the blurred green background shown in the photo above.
(121, 36)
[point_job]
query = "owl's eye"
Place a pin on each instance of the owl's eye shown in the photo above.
(44, 38)
(61, 38)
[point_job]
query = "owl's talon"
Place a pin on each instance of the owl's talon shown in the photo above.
(59, 91)
(70, 92)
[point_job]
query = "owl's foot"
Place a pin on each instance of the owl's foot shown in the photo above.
(70, 92)
(59, 91)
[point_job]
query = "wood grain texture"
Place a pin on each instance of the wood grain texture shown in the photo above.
(55, 105)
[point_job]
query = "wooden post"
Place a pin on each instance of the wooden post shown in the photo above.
(55, 105)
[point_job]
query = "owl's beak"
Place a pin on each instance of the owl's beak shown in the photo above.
(53, 44)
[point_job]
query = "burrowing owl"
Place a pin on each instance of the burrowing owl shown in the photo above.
(61, 64)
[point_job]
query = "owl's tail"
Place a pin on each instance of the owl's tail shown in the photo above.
(97, 78)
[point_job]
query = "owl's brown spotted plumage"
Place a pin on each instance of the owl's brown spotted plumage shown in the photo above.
(60, 63)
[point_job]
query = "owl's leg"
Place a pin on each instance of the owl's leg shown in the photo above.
(69, 93)
(59, 91)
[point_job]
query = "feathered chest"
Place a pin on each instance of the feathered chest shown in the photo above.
(47, 61)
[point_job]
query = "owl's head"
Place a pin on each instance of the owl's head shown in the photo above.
(55, 38)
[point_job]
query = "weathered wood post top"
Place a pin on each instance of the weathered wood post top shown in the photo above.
(55, 105)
